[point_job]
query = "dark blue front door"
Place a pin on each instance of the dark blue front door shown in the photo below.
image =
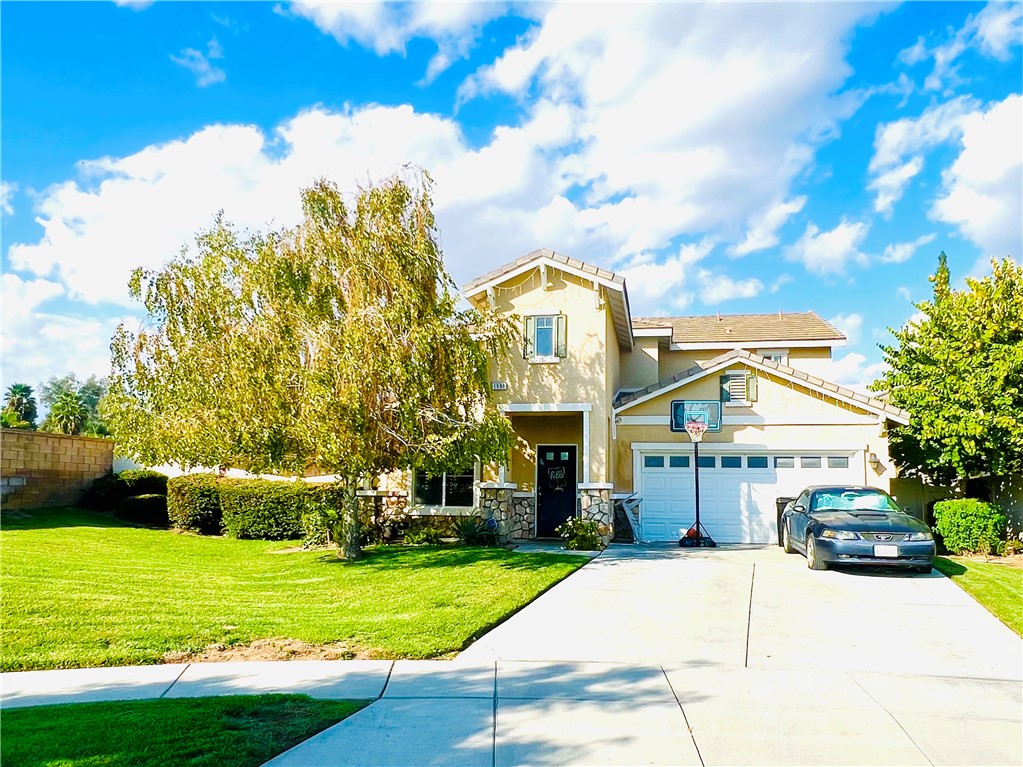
(555, 487)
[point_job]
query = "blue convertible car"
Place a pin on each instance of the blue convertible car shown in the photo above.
(855, 526)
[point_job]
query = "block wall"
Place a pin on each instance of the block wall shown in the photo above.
(39, 470)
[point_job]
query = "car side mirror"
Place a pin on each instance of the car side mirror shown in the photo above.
(799, 507)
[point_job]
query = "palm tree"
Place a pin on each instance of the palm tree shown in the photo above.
(68, 414)
(21, 400)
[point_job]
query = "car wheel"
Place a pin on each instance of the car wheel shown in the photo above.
(813, 559)
(786, 539)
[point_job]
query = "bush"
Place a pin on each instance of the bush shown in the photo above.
(193, 503)
(474, 531)
(107, 492)
(147, 509)
(265, 509)
(144, 482)
(581, 534)
(969, 526)
(424, 534)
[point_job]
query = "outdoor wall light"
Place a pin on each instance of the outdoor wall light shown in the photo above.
(873, 460)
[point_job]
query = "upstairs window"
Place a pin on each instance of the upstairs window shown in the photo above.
(447, 489)
(546, 338)
(738, 389)
(781, 356)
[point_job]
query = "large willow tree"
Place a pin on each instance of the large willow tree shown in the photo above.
(338, 344)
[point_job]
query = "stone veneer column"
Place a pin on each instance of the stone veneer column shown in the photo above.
(595, 503)
(496, 502)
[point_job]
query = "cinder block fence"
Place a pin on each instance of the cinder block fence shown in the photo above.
(39, 470)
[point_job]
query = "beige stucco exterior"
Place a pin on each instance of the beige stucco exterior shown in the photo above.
(572, 399)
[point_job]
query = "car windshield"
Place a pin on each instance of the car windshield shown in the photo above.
(853, 500)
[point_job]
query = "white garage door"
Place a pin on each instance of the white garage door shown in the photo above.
(737, 491)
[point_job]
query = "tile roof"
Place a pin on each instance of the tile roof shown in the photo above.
(741, 328)
(560, 258)
(876, 404)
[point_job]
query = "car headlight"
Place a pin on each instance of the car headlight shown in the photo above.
(840, 535)
(921, 535)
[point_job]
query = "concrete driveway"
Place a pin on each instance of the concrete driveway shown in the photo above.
(655, 655)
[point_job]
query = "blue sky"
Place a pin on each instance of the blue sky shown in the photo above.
(731, 157)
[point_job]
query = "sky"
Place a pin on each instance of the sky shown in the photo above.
(733, 158)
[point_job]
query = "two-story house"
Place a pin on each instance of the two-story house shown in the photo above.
(598, 399)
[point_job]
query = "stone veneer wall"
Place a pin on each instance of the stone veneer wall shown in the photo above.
(595, 504)
(523, 521)
(39, 470)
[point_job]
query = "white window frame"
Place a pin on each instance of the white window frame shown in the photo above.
(443, 508)
(556, 320)
(781, 356)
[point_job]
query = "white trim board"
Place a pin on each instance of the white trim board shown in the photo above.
(546, 407)
(748, 420)
(704, 345)
(734, 447)
(535, 264)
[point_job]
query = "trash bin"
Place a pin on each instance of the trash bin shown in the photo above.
(780, 504)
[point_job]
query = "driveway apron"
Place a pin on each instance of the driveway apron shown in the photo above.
(735, 655)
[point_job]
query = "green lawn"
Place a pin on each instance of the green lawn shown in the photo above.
(236, 731)
(998, 587)
(81, 589)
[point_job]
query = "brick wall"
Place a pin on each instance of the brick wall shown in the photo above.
(39, 470)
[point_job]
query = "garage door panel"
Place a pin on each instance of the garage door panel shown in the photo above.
(737, 505)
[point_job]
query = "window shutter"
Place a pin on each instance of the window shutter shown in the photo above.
(562, 329)
(737, 387)
(530, 338)
(726, 395)
(751, 389)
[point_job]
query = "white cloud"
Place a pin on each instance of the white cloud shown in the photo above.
(650, 281)
(199, 64)
(850, 325)
(903, 293)
(715, 288)
(763, 228)
(7, 192)
(853, 371)
(895, 141)
(992, 32)
(829, 252)
(782, 279)
(388, 27)
(891, 184)
(899, 252)
(137, 5)
(983, 188)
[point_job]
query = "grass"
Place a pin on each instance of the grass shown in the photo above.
(81, 589)
(997, 587)
(235, 731)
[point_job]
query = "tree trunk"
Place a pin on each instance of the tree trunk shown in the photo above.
(348, 535)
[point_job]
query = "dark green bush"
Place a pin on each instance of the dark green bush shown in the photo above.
(265, 509)
(424, 534)
(193, 503)
(969, 526)
(147, 509)
(474, 531)
(144, 482)
(107, 492)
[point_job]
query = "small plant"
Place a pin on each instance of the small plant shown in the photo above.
(148, 509)
(969, 526)
(425, 535)
(581, 534)
(475, 531)
(1013, 546)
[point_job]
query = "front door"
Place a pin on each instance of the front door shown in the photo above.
(555, 487)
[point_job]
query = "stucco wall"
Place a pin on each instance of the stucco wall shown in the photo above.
(545, 429)
(582, 377)
(784, 417)
(39, 470)
(640, 365)
(810, 360)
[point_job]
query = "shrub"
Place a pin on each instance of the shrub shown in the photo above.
(581, 534)
(193, 503)
(144, 482)
(146, 509)
(474, 531)
(968, 525)
(424, 534)
(107, 492)
(265, 509)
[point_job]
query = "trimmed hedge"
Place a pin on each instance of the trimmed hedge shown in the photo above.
(967, 525)
(146, 509)
(193, 503)
(107, 492)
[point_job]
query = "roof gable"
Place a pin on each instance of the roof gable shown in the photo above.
(840, 393)
(618, 297)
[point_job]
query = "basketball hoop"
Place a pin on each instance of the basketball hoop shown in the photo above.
(695, 429)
